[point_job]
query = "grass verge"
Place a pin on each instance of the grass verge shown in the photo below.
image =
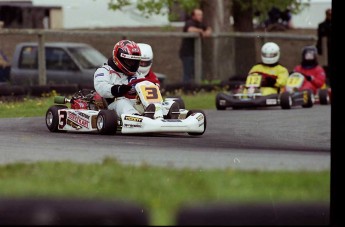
(161, 191)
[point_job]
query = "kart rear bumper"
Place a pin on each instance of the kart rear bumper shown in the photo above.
(254, 101)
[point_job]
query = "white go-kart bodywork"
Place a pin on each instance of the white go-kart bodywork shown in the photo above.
(61, 118)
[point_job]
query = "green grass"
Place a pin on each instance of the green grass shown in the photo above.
(161, 191)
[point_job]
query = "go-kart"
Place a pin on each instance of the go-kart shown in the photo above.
(297, 83)
(248, 95)
(89, 113)
(253, 94)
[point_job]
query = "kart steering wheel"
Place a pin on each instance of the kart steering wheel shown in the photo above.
(131, 94)
(135, 81)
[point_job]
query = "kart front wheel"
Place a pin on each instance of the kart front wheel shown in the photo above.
(52, 118)
(190, 112)
(285, 100)
(106, 122)
(310, 99)
(324, 97)
(220, 102)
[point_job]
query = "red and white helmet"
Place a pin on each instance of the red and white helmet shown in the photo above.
(146, 58)
(127, 56)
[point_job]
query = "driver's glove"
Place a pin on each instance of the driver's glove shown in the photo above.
(269, 81)
(120, 90)
(308, 77)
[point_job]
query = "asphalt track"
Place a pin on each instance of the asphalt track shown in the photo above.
(255, 139)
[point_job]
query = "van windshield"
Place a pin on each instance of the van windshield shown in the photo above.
(87, 57)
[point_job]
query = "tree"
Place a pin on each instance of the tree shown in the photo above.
(241, 10)
(217, 14)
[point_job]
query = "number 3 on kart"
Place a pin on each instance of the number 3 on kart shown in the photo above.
(151, 93)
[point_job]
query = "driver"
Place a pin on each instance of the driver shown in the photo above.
(146, 63)
(311, 70)
(111, 80)
(145, 68)
(274, 75)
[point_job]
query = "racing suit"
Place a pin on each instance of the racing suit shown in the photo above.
(109, 81)
(151, 76)
(277, 73)
(318, 77)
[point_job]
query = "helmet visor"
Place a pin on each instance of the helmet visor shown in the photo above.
(269, 55)
(309, 55)
(131, 62)
(145, 63)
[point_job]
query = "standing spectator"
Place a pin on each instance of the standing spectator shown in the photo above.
(324, 30)
(194, 24)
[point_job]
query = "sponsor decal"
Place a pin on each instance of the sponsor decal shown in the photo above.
(271, 101)
(77, 119)
(128, 56)
(83, 115)
(132, 126)
(131, 118)
(99, 74)
(73, 125)
(200, 117)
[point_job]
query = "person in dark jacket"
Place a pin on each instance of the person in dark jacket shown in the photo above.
(324, 30)
(186, 53)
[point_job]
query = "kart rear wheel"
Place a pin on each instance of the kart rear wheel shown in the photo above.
(106, 122)
(52, 118)
(190, 112)
(219, 100)
(324, 97)
(310, 99)
(285, 100)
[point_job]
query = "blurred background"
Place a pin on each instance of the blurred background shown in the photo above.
(239, 29)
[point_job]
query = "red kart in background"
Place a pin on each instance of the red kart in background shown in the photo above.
(297, 83)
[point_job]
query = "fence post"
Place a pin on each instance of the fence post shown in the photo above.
(198, 60)
(42, 75)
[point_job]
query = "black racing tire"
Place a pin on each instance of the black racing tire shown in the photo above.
(179, 100)
(190, 112)
(218, 106)
(52, 118)
(107, 122)
(310, 99)
(324, 97)
(285, 100)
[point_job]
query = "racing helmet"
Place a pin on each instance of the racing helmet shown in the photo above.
(126, 56)
(309, 57)
(270, 53)
(146, 58)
